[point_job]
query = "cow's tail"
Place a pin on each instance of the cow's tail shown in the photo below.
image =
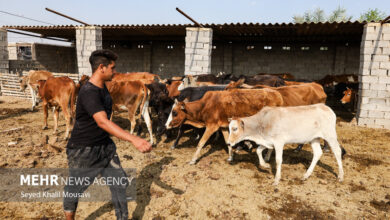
(145, 100)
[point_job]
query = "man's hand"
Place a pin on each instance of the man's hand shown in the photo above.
(142, 145)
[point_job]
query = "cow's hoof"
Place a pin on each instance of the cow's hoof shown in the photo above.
(230, 159)
(265, 165)
(192, 162)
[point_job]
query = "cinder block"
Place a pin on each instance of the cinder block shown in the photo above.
(363, 114)
(384, 65)
(384, 79)
(377, 101)
(382, 43)
(387, 115)
(378, 86)
(384, 122)
(369, 79)
(371, 36)
(366, 121)
(375, 114)
(383, 93)
(368, 107)
(379, 72)
(366, 43)
(364, 71)
(383, 108)
(380, 58)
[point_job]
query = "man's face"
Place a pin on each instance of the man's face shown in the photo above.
(108, 71)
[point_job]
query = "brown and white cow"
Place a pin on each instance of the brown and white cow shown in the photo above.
(273, 127)
(31, 81)
(60, 93)
(214, 109)
(131, 96)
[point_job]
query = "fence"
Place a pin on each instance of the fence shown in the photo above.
(10, 86)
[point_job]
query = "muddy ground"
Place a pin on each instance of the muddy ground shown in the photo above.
(169, 188)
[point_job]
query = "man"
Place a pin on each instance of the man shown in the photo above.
(90, 145)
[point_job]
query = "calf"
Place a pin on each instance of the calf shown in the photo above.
(131, 95)
(58, 92)
(31, 81)
(273, 127)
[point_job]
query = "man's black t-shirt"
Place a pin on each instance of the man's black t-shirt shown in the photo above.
(86, 132)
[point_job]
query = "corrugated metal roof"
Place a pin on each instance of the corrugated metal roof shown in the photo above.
(232, 31)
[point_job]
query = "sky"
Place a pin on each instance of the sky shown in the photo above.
(163, 11)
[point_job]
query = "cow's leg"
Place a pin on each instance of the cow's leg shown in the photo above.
(55, 116)
(208, 132)
(131, 111)
(269, 153)
(337, 151)
(259, 152)
(225, 133)
(179, 134)
(33, 98)
(68, 118)
(279, 159)
(44, 105)
(148, 121)
(317, 152)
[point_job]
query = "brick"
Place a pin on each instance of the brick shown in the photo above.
(384, 122)
(370, 64)
(378, 72)
(386, 51)
(383, 93)
(369, 79)
(377, 101)
(365, 71)
(385, 36)
(378, 86)
(384, 79)
(384, 65)
(375, 114)
(366, 121)
(368, 107)
(363, 113)
(371, 36)
(387, 115)
(383, 108)
(365, 100)
(366, 43)
(380, 58)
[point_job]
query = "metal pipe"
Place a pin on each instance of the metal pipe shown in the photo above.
(385, 20)
(73, 19)
(185, 15)
(31, 35)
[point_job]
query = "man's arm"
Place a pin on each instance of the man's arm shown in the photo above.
(113, 129)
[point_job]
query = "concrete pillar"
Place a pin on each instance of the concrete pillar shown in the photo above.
(374, 77)
(198, 51)
(88, 39)
(4, 62)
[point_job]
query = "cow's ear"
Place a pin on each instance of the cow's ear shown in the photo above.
(242, 123)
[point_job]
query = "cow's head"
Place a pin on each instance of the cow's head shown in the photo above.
(161, 102)
(236, 131)
(23, 83)
(177, 116)
(40, 85)
(347, 96)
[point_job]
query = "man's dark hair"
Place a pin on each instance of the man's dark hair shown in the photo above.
(104, 57)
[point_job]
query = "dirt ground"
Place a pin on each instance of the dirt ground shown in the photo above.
(169, 188)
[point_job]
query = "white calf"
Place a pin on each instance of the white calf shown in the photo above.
(273, 127)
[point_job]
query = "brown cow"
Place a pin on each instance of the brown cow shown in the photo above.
(31, 81)
(214, 109)
(141, 76)
(131, 96)
(60, 93)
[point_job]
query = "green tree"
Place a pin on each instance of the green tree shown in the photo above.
(318, 15)
(339, 15)
(372, 15)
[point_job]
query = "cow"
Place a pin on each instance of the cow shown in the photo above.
(269, 80)
(131, 95)
(350, 95)
(273, 127)
(31, 81)
(144, 77)
(213, 110)
(284, 76)
(60, 93)
(173, 87)
(215, 107)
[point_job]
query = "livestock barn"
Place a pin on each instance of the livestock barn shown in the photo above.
(308, 51)
(167, 186)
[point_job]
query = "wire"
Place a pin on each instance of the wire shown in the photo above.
(25, 17)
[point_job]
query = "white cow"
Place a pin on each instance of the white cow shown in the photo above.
(31, 81)
(273, 127)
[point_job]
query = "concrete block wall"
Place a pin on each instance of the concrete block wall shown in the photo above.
(4, 63)
(310, 64)
(198, 51)
(374, 77)
(12, 51)
(167, 58)
(88, 39)
(54, 58)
